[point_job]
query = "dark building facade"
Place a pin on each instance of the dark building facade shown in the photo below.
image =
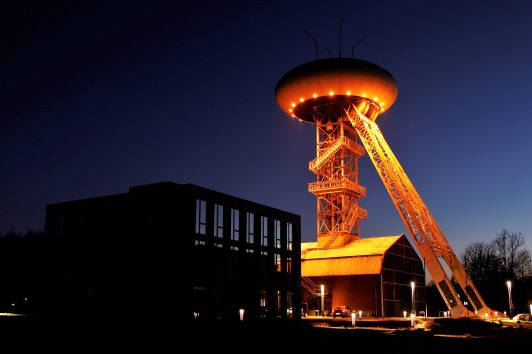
(175, 249)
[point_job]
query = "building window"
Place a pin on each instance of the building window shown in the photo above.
(250, 228)
(263, 298)
(264, 231)
(263, 303)
(201, 216)
(219, 245)
(289, 238)
(249, 250)
(234, 248)
(218, 220)
(235, 224)
(199, 243)
(277, 233)
(289, 265)
(290, 303)
(263, 253)
(277, 261)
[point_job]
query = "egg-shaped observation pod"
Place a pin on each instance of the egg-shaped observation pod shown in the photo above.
(319, 92)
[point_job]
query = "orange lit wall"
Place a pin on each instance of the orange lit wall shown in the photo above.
(358, 292)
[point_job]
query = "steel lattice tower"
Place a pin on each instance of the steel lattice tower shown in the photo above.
(343, 98)
(336, 167)
(322, 100)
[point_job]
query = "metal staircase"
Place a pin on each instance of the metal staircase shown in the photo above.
(313, 290)
(336, 187)
(322, 159)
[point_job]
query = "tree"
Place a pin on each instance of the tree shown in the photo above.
(480, 261)
(514, 261)
(505, 256)
(491, 264)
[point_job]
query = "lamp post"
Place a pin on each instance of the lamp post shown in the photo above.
(413, 285)
(322, 288)
(510, 305)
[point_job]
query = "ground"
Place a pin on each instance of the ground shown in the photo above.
(164, 334)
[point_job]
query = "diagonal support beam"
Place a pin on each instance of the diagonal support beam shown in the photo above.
(426, 234)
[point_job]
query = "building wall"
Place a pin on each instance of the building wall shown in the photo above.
(401, 266)
(388, 293)
(360, 292)
(257, 256)
(163, 249)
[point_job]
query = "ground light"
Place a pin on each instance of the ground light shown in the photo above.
(509, 285)
(413, 286)
(322, 288)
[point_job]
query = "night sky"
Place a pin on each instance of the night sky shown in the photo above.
(99, 97)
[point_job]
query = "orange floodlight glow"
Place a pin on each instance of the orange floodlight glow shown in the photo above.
(341, 122)
(334, 84)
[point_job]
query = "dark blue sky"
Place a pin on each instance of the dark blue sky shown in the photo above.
(98, 97)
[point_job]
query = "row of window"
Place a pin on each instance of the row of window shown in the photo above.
(276, 256)
(218, 228)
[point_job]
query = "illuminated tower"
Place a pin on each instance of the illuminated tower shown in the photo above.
(343, 98)
(319, 92)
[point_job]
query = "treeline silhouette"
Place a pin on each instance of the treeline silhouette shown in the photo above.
(492, 264)
(24, 272)
(33, 277)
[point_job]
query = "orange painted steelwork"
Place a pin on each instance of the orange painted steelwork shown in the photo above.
(336, 167)
(343, 98)
(425, 232)
(318, 92)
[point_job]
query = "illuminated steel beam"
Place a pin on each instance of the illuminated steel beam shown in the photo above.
(425, 232)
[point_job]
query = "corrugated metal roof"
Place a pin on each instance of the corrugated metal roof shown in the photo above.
(363, 256)
(308, 245)
(369, 246)
(341, 266)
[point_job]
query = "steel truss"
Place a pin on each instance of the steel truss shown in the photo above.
(425, 232)
(336, 168)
